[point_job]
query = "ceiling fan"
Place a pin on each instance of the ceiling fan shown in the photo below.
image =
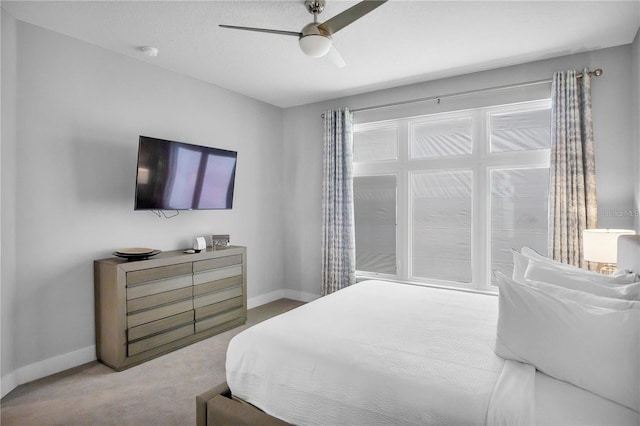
(315, 38)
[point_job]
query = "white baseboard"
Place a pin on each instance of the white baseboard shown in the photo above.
(254, 302)
(300, 295)
(47, 367)
(263, 299)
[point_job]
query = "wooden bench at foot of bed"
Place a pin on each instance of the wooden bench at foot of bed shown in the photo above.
(216, 407)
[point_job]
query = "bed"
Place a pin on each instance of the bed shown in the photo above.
(384, 353)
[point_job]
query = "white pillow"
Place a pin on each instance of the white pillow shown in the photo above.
(520, 263)
(624, 278)
(584, 297)
(626, 274)
(594, 348)
(541, 271)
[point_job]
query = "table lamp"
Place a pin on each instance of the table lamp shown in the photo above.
(601, 246)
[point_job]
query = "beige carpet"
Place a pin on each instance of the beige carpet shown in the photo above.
(159, 392)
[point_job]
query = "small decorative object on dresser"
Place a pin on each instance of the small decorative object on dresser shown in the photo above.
(199, 244)
(219, 241)
(148, 308)
(136, 253)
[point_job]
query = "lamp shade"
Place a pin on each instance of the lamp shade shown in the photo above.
(601, 245)
(315, 45)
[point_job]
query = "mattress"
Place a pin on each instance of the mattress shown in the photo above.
(387, 353)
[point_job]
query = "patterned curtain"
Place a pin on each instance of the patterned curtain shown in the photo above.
(572, 185)
(338, 235)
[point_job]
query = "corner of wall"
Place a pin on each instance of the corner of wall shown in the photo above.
(8, 59)
(635, 119)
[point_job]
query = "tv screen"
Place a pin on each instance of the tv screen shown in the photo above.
(180, 176)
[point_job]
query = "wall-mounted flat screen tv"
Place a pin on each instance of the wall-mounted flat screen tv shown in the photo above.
(181, 176)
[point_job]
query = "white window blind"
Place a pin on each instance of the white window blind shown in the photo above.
(442, 198)
(375, 213)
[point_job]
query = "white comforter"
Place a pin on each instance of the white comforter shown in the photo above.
(373, 353)
(385, 353)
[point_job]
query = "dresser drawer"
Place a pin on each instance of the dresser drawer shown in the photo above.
(159, 339)
(218, 296)
(160, 286)
(144, 317)
(212, 286)
(217, 308)
(153, 274)
(159, 326)
(217, 274)
(154, 300)
(219, 319)
(220, 262)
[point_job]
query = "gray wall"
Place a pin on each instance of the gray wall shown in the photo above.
(68, 174)
(635, 120)
(613, 129)
(7, 193)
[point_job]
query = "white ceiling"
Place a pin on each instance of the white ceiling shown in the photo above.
(401, 42)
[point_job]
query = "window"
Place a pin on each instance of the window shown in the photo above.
(440, 137)
(380, 143)
(518, 213)
(375, 211)
(441, 225)
(442, 198)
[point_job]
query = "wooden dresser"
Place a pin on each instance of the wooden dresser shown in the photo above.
(147, 308)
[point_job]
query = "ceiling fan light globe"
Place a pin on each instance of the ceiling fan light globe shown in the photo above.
(315, 45)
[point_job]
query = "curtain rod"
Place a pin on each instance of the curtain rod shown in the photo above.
(597, 73)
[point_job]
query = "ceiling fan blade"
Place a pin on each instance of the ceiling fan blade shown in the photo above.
(336, 58)
(263, 30)
(341, 20)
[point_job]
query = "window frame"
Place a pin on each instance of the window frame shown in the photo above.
(480, 162)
